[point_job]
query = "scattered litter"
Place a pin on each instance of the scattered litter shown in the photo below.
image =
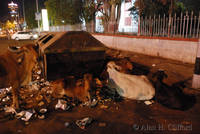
(93, 103)
(26, 123)
(62, 104)
(10, 110)
(148, 102)
(25, 115)
(102, 124)
(84, 122)
(67, 124)
(153, 65)
(41, 104)
(6, 99)
(41, 117)
(43, 110)
(103, 106)
(98, 83)
(39, 72)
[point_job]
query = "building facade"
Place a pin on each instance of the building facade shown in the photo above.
(127, 22)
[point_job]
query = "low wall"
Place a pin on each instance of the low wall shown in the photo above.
(172, 48)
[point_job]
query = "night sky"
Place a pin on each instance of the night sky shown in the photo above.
(3, 9)
(4, 13)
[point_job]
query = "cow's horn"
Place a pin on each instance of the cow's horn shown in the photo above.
(14, 48)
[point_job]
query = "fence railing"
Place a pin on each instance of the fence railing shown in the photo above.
(185, 26)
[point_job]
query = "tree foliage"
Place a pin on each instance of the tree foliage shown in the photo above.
(155, 7)
(9, 25)
(30, 15)
(64, 11)
(192, 5)
(30, 10)
(111, 10)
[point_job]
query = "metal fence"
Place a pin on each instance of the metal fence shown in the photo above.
(185, 26)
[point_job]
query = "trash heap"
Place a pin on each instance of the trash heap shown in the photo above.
(41, 96)
(37, 99)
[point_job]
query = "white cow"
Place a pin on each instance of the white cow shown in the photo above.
(130, 86)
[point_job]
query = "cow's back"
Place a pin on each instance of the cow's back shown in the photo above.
(8, 70)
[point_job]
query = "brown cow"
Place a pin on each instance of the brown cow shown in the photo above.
(16, 66)
(71, 87)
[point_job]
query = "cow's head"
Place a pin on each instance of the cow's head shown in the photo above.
(26, 57)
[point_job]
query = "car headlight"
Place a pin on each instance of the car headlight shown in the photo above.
(35, 36)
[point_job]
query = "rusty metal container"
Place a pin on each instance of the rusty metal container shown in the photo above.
(70, 53)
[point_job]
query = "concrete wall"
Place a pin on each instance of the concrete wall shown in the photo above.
(177, 49)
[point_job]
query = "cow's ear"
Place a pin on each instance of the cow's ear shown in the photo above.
(20, 58)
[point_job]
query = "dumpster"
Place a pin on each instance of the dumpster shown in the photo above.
(70, 53)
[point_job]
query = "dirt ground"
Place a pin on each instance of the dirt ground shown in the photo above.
(126, 116)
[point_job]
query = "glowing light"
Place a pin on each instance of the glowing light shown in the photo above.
(45, 21)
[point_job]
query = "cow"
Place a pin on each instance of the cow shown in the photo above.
(16, 66)
(76, 89)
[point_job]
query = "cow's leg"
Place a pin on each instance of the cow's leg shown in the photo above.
(15, 92)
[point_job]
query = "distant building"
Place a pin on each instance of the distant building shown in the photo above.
(13, 9)
(127, 22)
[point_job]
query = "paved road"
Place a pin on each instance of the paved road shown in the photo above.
(4, 43)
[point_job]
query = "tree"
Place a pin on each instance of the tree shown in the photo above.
(89, 9)
(111, 10)
(64, 11)
(153, 7)
(192, 5)
(30, 10)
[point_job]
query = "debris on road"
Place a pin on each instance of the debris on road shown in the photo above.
(84, 122)
(148, 102)
(25, 115)
(41, 117)
(104, 107)
(10, 110)
(43, 110)
(153, 65)
(62, 104)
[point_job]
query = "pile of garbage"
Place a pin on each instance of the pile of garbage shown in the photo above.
(42, 96)
(37, 98)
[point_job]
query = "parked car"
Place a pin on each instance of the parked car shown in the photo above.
(70, 53)
(23, 35)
